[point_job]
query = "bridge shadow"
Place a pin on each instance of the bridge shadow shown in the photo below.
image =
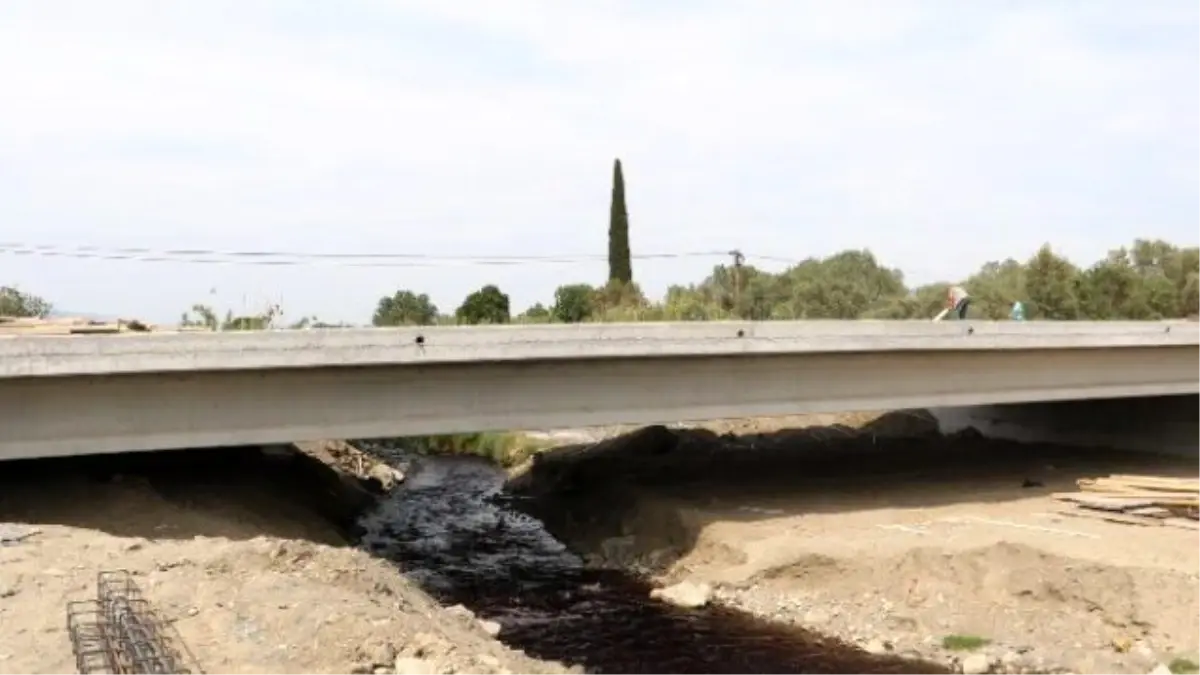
(660, 488)
(235, 493)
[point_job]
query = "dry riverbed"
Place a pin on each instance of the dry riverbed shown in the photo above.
(949, 549)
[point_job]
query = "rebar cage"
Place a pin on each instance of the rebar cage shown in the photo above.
(119, 632)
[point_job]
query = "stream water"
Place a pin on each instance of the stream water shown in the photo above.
(454, 530)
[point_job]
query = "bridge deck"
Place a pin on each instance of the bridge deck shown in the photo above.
(40, 356)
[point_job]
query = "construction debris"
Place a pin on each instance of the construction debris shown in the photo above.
(1137, 500)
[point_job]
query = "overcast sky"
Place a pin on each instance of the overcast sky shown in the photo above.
(939, 134)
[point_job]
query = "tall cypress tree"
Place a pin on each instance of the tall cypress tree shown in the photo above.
(620, 267)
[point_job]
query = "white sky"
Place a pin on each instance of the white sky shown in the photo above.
(939, 134)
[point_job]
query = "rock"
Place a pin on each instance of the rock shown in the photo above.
(425, 646)
(1144, 650)
(684, 594)
(488, 661)
(492, 628)
(381, 670)
(7, 591)
(193, 611)
(815, 617)
(386, 476)
(976, 664)
(408, 665)
(379, 654)
(1161, 669)
(361, 669)
(876, 646)
(460, 612)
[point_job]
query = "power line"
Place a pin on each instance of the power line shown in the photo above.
(291, 258)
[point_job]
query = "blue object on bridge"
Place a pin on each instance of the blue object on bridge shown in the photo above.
(1018, 312)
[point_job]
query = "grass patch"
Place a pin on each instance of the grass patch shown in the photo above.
(964, 643)
(1183, 667)
(503, 448)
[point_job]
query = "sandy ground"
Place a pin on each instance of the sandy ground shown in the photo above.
(233, 549)
(838, 533)
(891, 544)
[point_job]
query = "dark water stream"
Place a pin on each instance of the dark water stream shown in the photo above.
(453, 529)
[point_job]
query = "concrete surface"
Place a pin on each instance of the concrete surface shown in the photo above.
(85, 395)
(26, 356)
(1167, 425)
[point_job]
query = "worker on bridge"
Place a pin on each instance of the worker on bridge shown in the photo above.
(958, 300)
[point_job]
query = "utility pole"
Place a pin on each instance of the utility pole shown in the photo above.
(738, 260)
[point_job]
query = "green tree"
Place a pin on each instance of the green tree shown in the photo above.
(486, 305)
(573, 303)
(620, 265)
(17, 303)
(843, 286)
(922, 303)
(1191, 295)
(200, 316)
(405, 308)
(1052, 283)
(994, 289)
(537, 313)
(1114, 288)
(204, 316)
(264, 320)
(619, 301)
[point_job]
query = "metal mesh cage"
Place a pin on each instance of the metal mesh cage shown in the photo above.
(119, 632)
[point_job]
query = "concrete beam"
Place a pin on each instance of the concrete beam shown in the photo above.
(45, 356)
(1160, 424)
(45, 416)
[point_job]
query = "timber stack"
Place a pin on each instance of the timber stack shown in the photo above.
(1137, 500)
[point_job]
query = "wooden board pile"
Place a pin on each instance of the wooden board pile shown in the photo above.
(69, 326)
(1137, 500)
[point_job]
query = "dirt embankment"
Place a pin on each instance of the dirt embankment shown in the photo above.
(243, 552)
(890, 536)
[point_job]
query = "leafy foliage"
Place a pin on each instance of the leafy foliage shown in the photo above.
(204, 316)
(15, 302)
(486, 305)
(573, 303)
(1148, 280)
(405, 308)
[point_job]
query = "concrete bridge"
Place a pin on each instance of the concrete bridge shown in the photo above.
(69, 395)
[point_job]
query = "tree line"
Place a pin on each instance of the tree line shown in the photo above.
(1148, 280)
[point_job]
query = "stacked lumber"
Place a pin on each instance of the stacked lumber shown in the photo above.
(1137, 500)
(68, 326)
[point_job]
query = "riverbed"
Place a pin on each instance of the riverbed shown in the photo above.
(452, 528)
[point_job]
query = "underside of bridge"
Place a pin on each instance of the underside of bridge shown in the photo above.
(1163, 424)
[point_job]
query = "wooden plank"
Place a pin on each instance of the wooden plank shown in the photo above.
(1104, 485)
(1151, 512)
(1184, 483)
(1103, 503)
(1110, 517)
(1185, 523)
(1155, 498)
